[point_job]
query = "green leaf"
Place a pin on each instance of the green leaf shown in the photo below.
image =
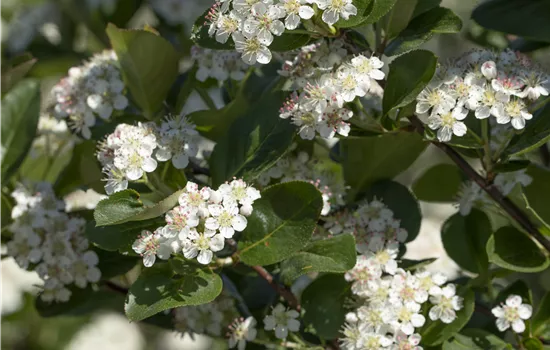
(527, 18)
(514, 250)
(112, 264)
(512, 165)
(440, 183)
(422, 28)
(536, 193)
(169, 285)
(520, 288)
(377, 10)
(83, 170)
(254, 142)
(120, 237)
(475, 339)
(437, 332)
(411, 265)
(20, 112)
(149, 66)
(288, 41)
(126, 206)
(363, 7)
(323, 301)
(399, 17)
(535, 134)
(402, 202)
(369, 159)
(465, 238)
(424, 6)
(82, 302)
(542, 317)
(409, 74)
(281, 224)
(532, 344)
(19, 67)
(336, 254)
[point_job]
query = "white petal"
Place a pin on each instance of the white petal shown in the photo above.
(239, 223)
(306, 12)
(149, 165)
(205, 257)
(518, 326)
(525, 311)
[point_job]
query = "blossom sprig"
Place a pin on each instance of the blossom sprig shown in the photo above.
(95, 89)
(513, 313)
(199, 225)
(51, 242)
(133, 150)
(252, 25)
(482, 84)
(324, 78)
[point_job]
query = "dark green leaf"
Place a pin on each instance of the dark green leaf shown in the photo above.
(120, 237)
(411, 265)
(281, 224)
(149, 66)
(535, 134)
(169, 285)
(409, 74)
(440, 183)
(83, 170)
(336, 254)
(323, 302)
(438, 332)
(288, 41)
(541, 320)
(399, 17)
(422, 28)
(514, 250)
(425, 5)
(20, 112)
(377, 10)
(19, 67)
(369, 159)
(536, 194)
(532, 344)
(363, 7)
(82, 302)
(475, 339)
(112, 264)
(465, 238)
(512, 165)
(527, 18)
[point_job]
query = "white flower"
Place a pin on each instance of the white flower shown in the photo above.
(513, 313)
(263, 22)
(489, 70)
(334, 9)
(252, 49)
(116, 180)
(201, 245)
(177, 219)
(282, 321)
(506, 182)
(428, 283)
(514, 111)
(404, 342)
(227, 25)
(57, 293)
(242, 330)
(195, 200)
(368, 68)
(84, 269)
(150, 245)
(226, 219)
(448, 123)
(177, 141)
(24, 248)
(350, 85)
(333, 121)
(446, 303)
(405, 287)
(364, 271)
(404, 316)
(237, 191)
(536, 84)
(294, 10)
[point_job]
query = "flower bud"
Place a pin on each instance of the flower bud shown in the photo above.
(489, 70)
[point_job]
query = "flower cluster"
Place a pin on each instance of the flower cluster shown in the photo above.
(241, 331)
(302, 168)
(501, 85)
(130, 151)
(199, 225)
(52, 243)
(471, 195)
(93, 89)
(389, 298)
(325, 79)
(512, 313)
(220, 65)
(252, 25)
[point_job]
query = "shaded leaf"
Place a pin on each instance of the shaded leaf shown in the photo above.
(440, 183)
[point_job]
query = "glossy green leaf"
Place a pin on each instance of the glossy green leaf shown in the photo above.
(422, 28)
(527, 18)
(440, 183)
(399, 17)
(126, 206)
(536, 193)
(336, 254)
(512, 165)
(541, 319)
(465, 238)
(113, 264)
(424, 6)
(281, 224)
(369, 159)
(438, 332)
(363, 7)
(20, 112)
(411, 265)
(83, 170)
(409, 74)
(18, 68)
(149, 66)
(169, 285)
(323, 301)
(475, 339)
(535, 134)
(378, 9)
(514, 250)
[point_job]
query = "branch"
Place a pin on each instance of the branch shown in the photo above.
(507, 205)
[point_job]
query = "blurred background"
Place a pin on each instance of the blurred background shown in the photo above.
(57, 33)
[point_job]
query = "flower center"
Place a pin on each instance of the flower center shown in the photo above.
(511, 313)
(447, 119)
(202, 243)
(252, 45)
(337, 4)
(292, 6)
(225, 219)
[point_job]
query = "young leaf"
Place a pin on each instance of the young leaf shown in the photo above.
(336, 254)
(475, 339)
(465, 238)
(402, 202)
(20, 112)
(149, 66)
(323, 301)
(281, 224)
(440, 183)
(169, 285)
(513, 250)
(527, 18)
(438, 20)
(388, 155)
(409, 74)
(438, 332)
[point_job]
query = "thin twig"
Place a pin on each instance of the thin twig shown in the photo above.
(506, 204)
